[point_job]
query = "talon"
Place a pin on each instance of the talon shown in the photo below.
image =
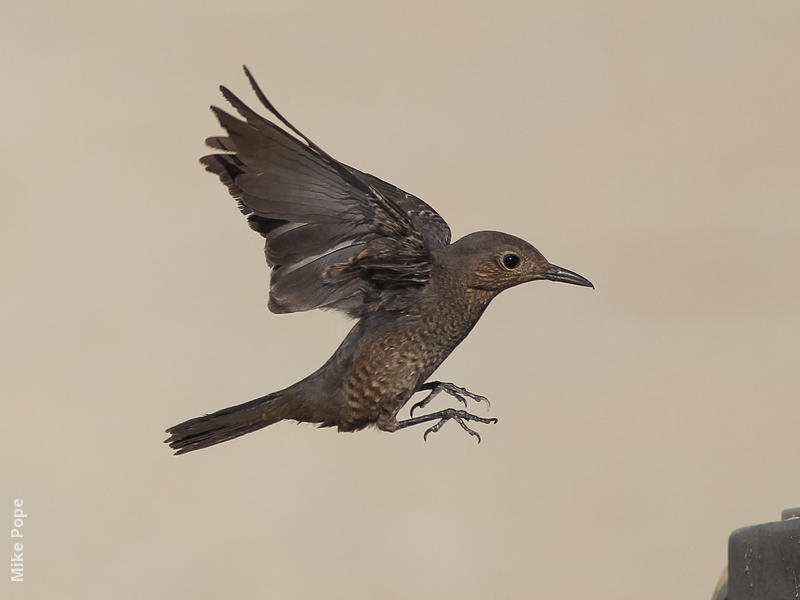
(459, 393)
(425, 401)
(459, 416)
(458, 420)
(434, 428)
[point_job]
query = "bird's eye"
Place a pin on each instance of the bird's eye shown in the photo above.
(510, 261)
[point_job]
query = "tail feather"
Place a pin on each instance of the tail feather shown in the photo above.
(224, 424)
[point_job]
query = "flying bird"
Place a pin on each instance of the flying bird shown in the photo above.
(338, 238)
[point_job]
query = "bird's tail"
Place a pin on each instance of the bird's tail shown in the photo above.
(226, 424)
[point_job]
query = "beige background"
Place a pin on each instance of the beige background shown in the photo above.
(652, 147)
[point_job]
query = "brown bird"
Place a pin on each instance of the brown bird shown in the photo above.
(338, 238)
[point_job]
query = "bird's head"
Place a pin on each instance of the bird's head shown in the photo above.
(490, 260)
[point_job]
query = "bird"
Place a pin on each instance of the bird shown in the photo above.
(341, 239)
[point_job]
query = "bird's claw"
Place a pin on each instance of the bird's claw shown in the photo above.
(422, 403)
(457, 391)
(459, 416)
(454, 390)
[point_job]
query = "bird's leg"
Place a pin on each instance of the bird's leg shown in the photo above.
(450, 388)
(459, 416)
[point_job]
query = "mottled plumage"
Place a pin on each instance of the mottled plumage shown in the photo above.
(342, 239)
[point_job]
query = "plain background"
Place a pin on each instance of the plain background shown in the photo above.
(652, 147)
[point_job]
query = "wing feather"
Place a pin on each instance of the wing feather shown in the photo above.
(335, 237)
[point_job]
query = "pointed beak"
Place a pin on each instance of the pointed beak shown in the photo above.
(556, 273)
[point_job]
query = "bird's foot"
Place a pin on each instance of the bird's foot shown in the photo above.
(461, 394)
(459, 416)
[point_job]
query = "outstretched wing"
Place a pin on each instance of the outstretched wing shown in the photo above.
(335, 237)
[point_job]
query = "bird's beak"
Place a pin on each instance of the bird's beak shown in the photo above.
(556, 273)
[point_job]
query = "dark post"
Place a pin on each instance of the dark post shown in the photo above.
(764, 560)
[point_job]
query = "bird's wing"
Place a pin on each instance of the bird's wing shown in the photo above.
(335, 237)
(433, 227)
